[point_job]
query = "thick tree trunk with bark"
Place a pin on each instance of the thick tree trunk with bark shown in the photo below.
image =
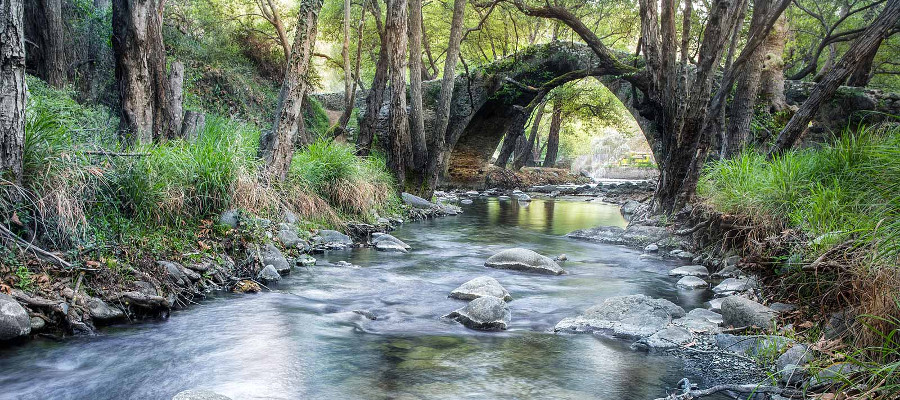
(553, 137)
(438, 139)
(45, 31)
(526, 152)
(396, 142)
(514, 133)
(771, 85)
(12, 89)
(146, 113)
(864, 45)
(862, 74)
(416, 118)
(743, 102)
(276, 148)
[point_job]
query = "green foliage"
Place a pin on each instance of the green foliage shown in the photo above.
(315, 119)
(849, 189)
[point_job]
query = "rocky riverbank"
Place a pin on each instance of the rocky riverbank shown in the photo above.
(243, 254)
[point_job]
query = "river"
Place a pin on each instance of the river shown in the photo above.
(303, 340)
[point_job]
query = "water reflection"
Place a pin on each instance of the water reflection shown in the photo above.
(305, 341)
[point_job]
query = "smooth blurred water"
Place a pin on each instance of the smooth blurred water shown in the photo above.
(303, 341)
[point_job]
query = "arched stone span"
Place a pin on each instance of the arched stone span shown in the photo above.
(487, 99)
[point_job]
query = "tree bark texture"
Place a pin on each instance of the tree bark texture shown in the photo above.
(368, 125)
(743, 102)
(397, 144)
(350, 100)
(44, 29)
(176, 96)
(857, 54)
(277, 147)
(12, 89)
(146, 113)
(416, 118)
(553, 137)
(771, 86)
(438, 139)
(862, 74)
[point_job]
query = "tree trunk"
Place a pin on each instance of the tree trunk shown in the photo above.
(277, 147)
(416, 119)
(863, 72)
(350, 99)
(146, 113)
(742, 104)
(396, 142)
(771, 86)
(523, 154)
(176, 96)
(99, 52)
(345, 55)
(12, 90)
(375, 99)
(553, 137)
(44, 28)
(515, 131)
(193, 124)
(437, 142)
(865, 44)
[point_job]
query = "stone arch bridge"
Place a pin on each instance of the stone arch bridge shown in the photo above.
(487, 100)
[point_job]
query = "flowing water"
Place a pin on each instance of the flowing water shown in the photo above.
(303, 340)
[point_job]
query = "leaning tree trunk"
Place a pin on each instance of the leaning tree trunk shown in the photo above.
(515, 131)
(526, 152)
(45, 31)
(437, 143)
(12, 90)
(276, 148)
(865, 44)
(396, 141)
(146, 112)
(553, 136)
(862, 74)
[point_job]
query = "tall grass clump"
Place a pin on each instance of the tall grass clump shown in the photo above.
(844, 198)
(332, 170)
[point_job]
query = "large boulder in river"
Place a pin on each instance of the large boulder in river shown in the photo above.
(416, 201)
(633, 235)
(484, 313)
(199, 394)
(385, 242)
(739, 311)
(272, 256)
(14, 320)
(480, 287)
(690, 270)
(634, 317)
(520, 259)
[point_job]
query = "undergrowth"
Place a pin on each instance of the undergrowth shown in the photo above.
(80, 190)
(843, 200)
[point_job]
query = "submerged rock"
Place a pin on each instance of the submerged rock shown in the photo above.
(635, 316)
(14, 320)
(305, 260)
(739, 311)
(480, 287)
(199, 394)
(520, 259)
(385, 242)
(272, 256)
(484, 313)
